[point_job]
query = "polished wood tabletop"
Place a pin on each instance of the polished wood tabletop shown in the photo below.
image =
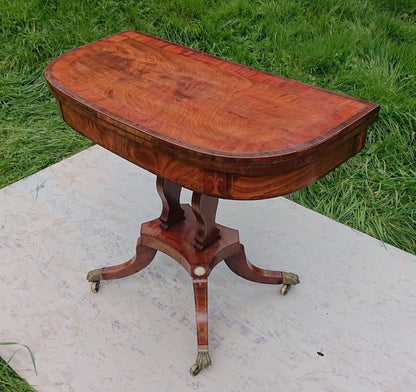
(205, 123)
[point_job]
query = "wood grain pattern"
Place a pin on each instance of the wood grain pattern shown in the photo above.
(218, 128)
(203, 122)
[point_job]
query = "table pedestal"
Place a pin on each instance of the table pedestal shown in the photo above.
(191, 236)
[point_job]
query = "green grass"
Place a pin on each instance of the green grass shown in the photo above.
(10, 381)
(359, 47)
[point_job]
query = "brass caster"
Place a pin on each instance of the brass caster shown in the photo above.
(285, 289)
(95, 275)
(195, 369)
(203, 360)
(289, 279)
(95, 286)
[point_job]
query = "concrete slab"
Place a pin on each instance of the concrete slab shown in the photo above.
(355, 304)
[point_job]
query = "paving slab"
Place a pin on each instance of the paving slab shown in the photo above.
(349, 326)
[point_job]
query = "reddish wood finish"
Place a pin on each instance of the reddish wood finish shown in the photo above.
(216, 127)
(169, 193)
(179, 243)
(142, 259)
(205, 123)
(201, 309)
(239, 264)
(205, 209)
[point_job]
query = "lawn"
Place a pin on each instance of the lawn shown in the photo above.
(362, 48)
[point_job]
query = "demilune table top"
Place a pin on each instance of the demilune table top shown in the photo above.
(205, 123)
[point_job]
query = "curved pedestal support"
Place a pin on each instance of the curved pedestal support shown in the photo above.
(141, 260)
(239, 264)
(192, 237)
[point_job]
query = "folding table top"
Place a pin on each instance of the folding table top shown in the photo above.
(201, 110)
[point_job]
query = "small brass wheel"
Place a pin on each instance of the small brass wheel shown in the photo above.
(285, 289)
(289, 279)
(195, 369)
(95, 286)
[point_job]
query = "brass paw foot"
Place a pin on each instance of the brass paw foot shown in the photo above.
(94, 277)
(289, 279)
(203, 360)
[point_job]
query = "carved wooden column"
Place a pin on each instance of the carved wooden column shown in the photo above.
(170, 193)
(205, 209)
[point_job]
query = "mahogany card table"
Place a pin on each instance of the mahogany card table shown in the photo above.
(220, 129)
